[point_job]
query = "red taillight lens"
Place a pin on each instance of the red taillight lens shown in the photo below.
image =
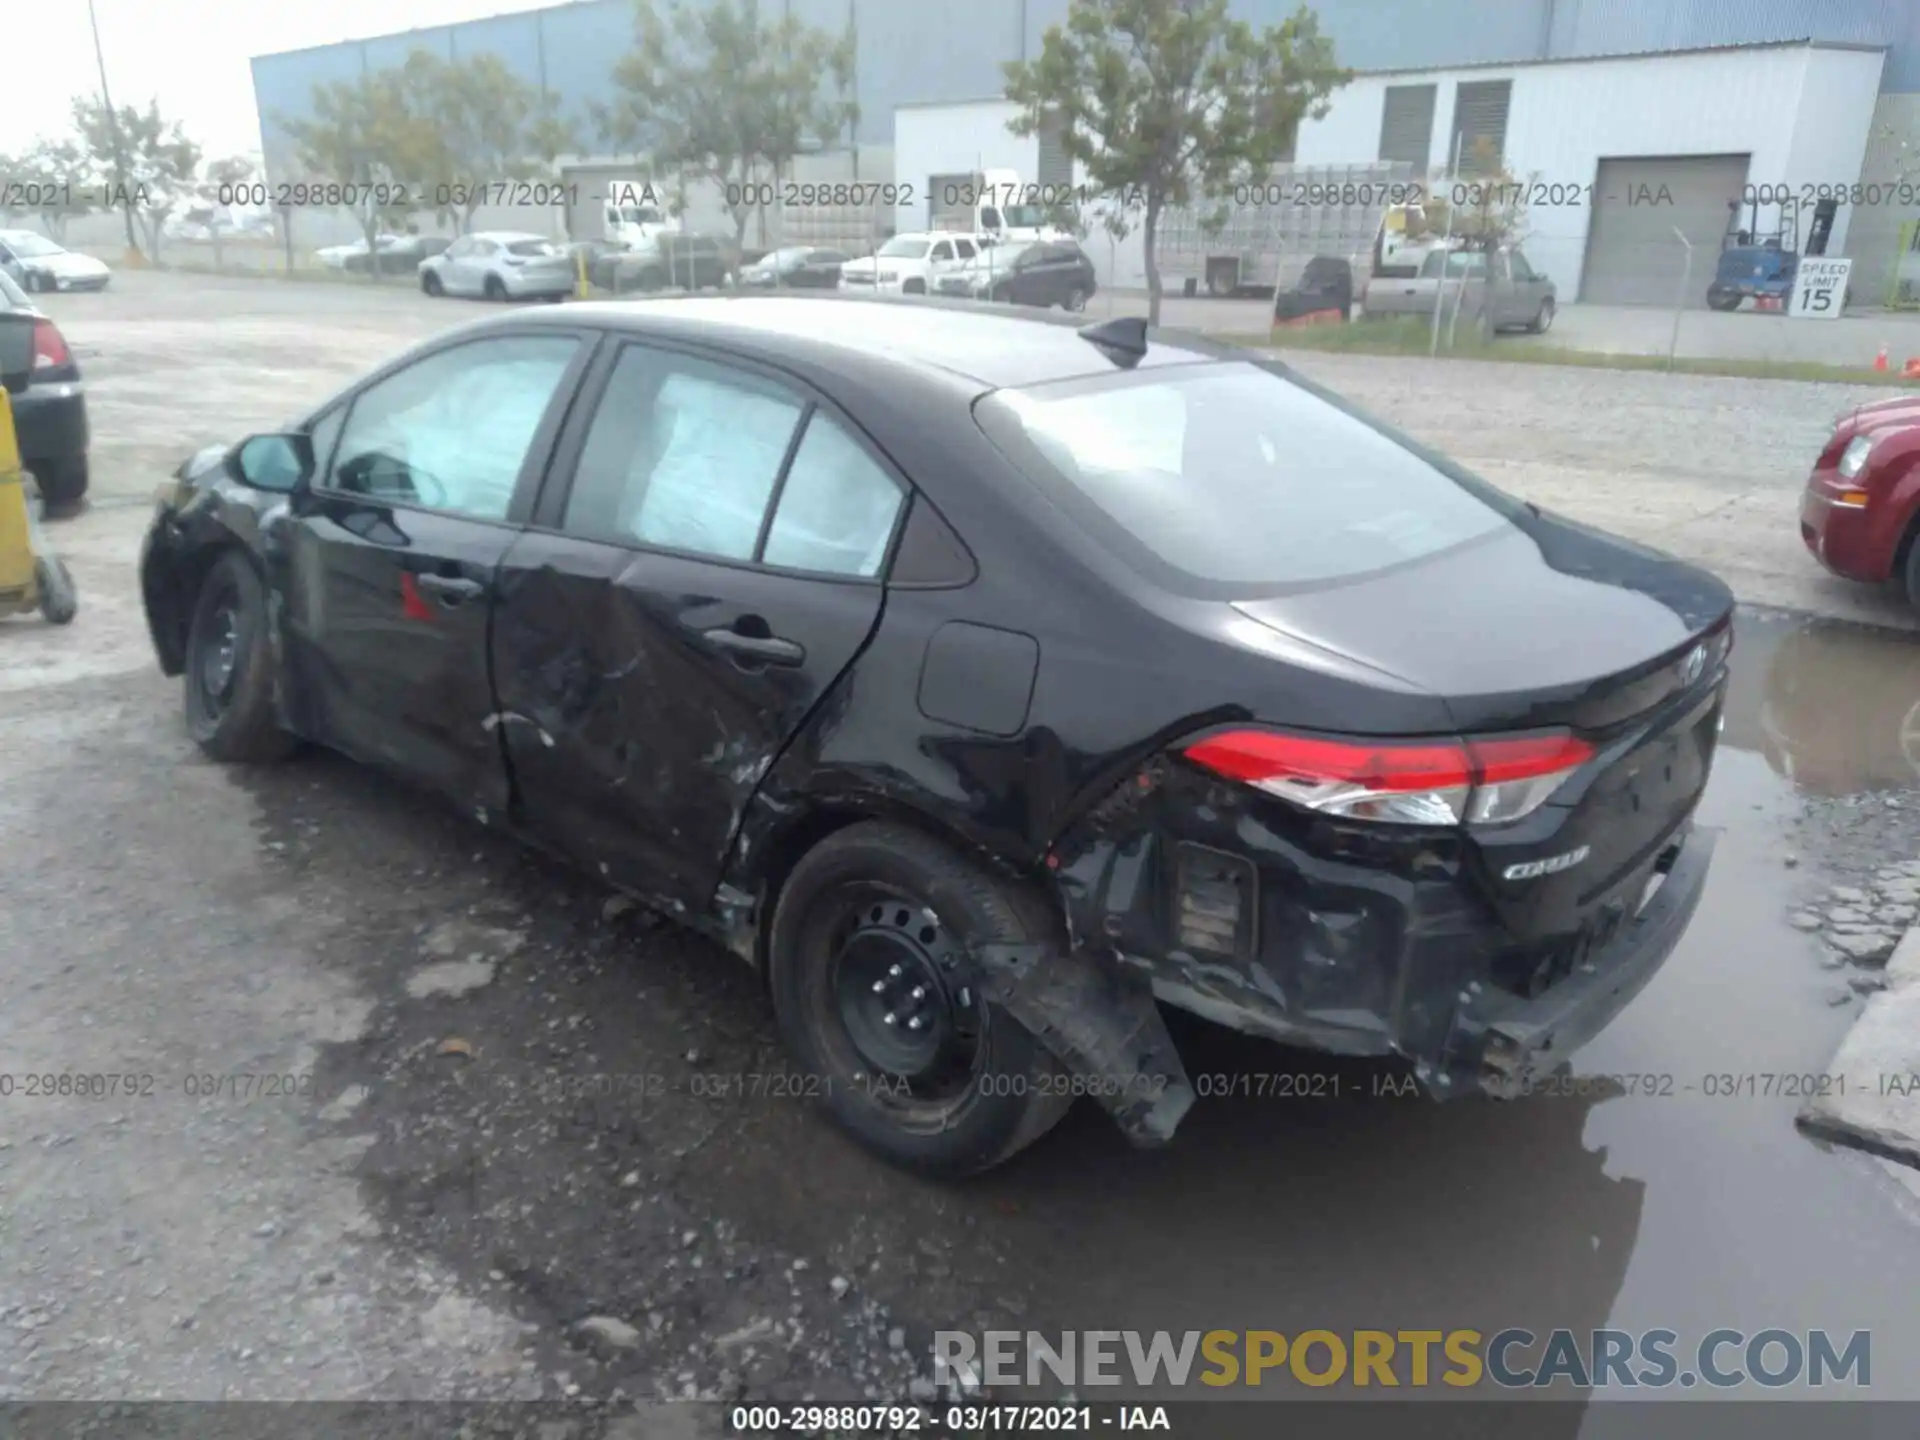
(1408, 782)
(49, 349)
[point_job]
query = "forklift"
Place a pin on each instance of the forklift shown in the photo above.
(1760, 266)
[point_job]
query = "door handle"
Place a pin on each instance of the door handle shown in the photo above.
(450, 589)
(761, 649)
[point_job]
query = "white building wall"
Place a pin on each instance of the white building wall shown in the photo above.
(1804, 114)
(931, 140)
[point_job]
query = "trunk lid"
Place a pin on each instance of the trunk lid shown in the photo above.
(1546, 624)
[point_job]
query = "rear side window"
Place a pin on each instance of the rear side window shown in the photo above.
(530, 247)
(837, 508)
(1234, 477)
(681, 454)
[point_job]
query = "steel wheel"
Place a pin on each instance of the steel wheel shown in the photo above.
(898, 1011)
(217, 658)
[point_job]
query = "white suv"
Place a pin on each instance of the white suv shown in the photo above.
(911, 264)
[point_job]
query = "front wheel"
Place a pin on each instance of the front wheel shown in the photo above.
(59, 601)
(1720, 300)
(229, 667)
(430, 283)
(495, 288)
(1543, 321)
(1076, 300)
(874, 994)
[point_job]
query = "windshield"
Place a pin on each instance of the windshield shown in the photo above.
(640, 215)
(1234, 476)
(26, 244)
(1024, 217)
(781, 258)
(903, 249)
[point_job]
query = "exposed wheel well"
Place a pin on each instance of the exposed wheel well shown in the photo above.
(807, 830)
(173, 617)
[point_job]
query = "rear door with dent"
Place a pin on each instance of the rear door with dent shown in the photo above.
(706, 564)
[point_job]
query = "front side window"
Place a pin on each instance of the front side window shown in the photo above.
(965, 249)
(1521, 269)
(837, 509)
(681, 454)
(1234, 477)
(451, 431)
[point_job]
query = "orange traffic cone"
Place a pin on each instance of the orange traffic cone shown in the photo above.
(1912, 369)
(1880, 360)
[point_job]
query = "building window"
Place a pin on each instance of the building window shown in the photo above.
(1406, 124)
(1480, 126)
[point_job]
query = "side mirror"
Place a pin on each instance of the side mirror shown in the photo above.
(279, 463)
(16, 351)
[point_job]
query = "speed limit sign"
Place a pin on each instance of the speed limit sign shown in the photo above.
(1819, 288)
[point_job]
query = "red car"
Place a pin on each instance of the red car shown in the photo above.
(1861, 510)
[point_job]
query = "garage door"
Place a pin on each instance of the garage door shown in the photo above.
(1632, 255)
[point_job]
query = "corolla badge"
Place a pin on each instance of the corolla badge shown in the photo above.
(1552, 865)
(1693, 665)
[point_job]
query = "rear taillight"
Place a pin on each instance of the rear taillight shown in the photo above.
(1407, 782)
(49, 349)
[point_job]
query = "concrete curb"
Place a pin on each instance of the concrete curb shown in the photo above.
(1872, 1086)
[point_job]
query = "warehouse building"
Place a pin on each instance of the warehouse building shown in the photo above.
(1647, 115)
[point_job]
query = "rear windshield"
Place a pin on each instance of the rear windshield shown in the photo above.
(531, 247)
(1236, 477)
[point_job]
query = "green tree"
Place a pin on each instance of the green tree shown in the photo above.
(717, 92)
(368, 137)
(490, 128)
(56, 180)
(1164, 101)
(149, 163)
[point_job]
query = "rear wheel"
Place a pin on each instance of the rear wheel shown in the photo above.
(229, 667)
(62, 481)
(1720, 300)
(875, 997)
(1076, 300)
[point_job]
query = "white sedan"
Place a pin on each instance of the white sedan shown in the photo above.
(335, 257)
(35, 263)
(500, 265)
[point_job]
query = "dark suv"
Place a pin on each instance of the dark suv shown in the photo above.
(1035, 272)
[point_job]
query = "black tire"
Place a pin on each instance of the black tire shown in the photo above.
(1000, 1090)
(1910, 573)
(1543, 321)
(59, 601)
(1075, 301)
(430, 283)
(229, 669)
(1718, 300)
(62, 481)
(31, 282)
(913, 287)
(495, 289)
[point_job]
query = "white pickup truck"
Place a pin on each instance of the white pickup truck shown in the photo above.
(911, 264)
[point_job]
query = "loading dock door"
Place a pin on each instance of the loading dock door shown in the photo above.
(1632, 255)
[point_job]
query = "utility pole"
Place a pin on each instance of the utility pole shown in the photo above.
(113, 129)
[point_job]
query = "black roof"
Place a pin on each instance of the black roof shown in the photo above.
(992, 347)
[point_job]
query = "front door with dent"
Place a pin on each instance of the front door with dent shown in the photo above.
(707, 567)
(393, 550)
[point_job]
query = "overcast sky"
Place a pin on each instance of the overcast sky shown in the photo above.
(191, 54)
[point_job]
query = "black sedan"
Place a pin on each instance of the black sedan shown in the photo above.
(983, 681)
(797, 267)
(50, 414)
(1044, 273)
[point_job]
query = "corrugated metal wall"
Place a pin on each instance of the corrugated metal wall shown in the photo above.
(920, 52)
